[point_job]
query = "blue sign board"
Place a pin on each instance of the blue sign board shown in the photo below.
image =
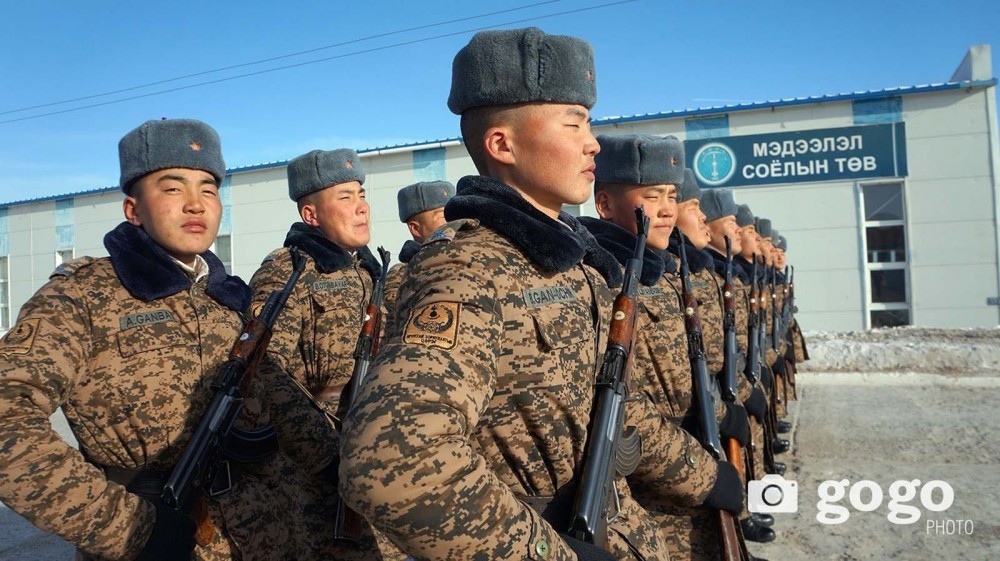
(803, 156)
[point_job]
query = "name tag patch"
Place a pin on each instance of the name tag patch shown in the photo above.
(145, 318)
(650, 291)
(538, 297)
(330, 284)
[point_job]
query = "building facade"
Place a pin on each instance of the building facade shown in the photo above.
(888, 199)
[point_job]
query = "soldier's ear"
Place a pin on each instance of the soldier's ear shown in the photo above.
(499, 144)
(129, 208)
(603, 203)
(416, 230)
(308, 213)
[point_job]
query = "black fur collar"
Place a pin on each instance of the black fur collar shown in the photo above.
(148, 273)
(548, 244)
(747, 267)
(328, 256)
(697, 259)
(621, 243)
(409, 249)
(719, 266)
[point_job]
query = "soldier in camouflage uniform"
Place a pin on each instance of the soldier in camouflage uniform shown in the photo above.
(637, 170)
(421, 208)
(479, 402)
(751, 248)
(771, 301)
(315, 337)
(720, 217)
(770, 356)
(129, 346)
(788, 326)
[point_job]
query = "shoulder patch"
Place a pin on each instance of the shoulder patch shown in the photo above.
(433, 325)
(18, 341)
(451, 229)
(67, 268)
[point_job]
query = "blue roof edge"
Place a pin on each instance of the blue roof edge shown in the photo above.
(899, 90)
(787, 102)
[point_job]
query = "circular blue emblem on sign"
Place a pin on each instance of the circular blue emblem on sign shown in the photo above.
(714, 164)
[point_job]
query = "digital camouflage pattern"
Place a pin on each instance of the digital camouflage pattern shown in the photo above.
(133, 379)
(692, 531)
(313, 344)
(481, 395)
(392, 281)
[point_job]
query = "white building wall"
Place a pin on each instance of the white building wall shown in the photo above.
(949, 193)
(951, 227)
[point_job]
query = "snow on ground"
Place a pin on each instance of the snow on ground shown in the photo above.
(905, 349)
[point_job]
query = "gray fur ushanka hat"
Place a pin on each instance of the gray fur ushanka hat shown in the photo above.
(169, 143)
(639, 159)
(426, 195)
(717, 203)
(763, 227)
(744, 217)
(506, 67)
(320, 169)
(689, 189)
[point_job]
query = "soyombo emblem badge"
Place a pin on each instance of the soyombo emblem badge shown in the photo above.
(19, 340)
(433, 325)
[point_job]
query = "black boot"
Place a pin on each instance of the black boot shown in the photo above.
(780, 467)
(756, 533)
(784, 426)
(765, 520)
(780, 446)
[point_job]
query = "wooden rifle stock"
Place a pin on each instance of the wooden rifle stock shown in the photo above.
(347, 524)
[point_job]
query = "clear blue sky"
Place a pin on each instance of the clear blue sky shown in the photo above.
(652, 55)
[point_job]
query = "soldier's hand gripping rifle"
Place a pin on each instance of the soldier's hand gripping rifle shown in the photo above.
(733, 548)
(205, 456)
(347, 524)
(612, 451)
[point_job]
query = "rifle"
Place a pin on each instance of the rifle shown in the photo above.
(752, 368)
(728, 382)
(612, 450)
(347, 524)
(775, 318)
(753, 331)
(202, 459)
(733, 548)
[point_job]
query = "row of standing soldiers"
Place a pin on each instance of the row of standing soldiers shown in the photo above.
(466, 437)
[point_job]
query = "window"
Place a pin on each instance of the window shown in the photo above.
(880, 110)
(886, 244)
(890, 318)
(572, 210)
(698, 128)
(224, 251)
(887, 272)
(4, 294)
